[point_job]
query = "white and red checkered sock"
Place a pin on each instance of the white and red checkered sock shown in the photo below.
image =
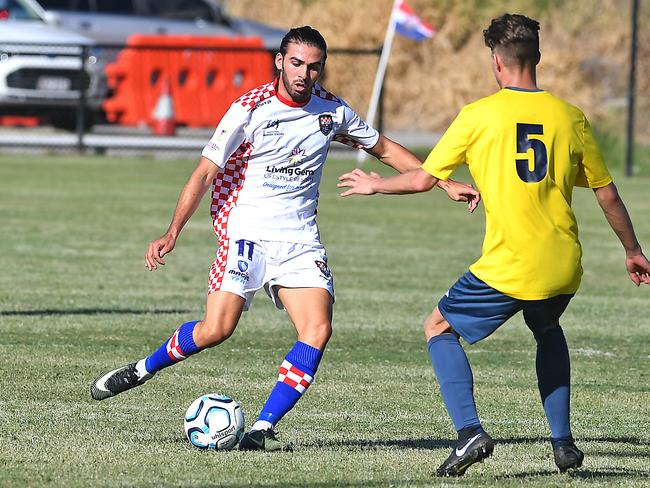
(178, 347)
(296, 374)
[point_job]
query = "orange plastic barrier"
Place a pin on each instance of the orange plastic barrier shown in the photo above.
(20, 120)
(205, 75)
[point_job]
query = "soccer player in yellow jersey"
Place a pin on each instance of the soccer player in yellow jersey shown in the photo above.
(526, 150)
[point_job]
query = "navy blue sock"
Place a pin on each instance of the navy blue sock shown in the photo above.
(553, 378)
(562, 441)
(178, 347)
(296, 374)
(468, 432)
(455, 378)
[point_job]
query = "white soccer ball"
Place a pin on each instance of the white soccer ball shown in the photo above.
(214, 421)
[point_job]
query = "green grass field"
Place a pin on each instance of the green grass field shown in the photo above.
(75, 300)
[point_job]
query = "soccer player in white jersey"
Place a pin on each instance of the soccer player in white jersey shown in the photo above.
(264, 163)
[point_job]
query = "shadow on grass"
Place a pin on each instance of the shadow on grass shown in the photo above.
(616, 440)
(431, 444)
(428, 444)
(86, 311)
(554, 477)
(585, 474)
(317, 484)
(609, 473)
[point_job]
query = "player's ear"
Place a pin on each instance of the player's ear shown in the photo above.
(278, 61)
(496, 62)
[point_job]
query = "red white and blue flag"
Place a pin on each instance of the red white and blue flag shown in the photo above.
(409, 24)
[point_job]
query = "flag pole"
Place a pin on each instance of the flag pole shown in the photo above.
(379, 76)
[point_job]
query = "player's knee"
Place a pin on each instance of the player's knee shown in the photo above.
(316, 335)
(546, 333)
(435, 325)
(213, 332)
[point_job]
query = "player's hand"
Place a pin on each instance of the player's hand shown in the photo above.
(461, 192)
(639, 269)
(358, 182)
(157, 250)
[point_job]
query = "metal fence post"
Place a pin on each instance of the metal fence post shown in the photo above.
(631, 95)
(81, 104)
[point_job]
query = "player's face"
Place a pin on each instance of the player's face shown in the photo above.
(300, 68)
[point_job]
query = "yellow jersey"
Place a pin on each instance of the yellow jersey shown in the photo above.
(526, 150)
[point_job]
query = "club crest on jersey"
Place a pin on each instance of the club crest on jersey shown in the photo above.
(325, 123)
(297, 155)
(242, 265)
(322, 265)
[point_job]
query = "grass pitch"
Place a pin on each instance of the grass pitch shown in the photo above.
(75, 300)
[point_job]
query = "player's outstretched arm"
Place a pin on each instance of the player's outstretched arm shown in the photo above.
(616, 214)
(359, 182)
(196, 186)
(394, 155)
(401, 159)
(461, 192)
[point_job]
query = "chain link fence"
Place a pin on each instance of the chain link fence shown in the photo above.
(108, 99)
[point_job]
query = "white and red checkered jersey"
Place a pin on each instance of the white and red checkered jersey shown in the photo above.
(271, 153)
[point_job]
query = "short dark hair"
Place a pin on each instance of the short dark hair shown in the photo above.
(304, 35)
(515, 36)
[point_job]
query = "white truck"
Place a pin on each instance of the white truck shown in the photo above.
(41, 67)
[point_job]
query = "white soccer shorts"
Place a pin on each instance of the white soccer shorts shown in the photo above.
(242, 267)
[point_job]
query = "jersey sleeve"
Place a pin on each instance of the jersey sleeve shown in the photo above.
(592, 171)
(227, 137)
(450, 152)
(354, 131)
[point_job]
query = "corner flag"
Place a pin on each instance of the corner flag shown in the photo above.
(409, 24)
(403, 21)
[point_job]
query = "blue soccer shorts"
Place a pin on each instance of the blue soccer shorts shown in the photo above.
(475, 310)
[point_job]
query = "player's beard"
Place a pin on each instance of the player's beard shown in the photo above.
(295, 96)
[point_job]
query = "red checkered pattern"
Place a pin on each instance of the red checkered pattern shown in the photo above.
(321, 92)
(348, 141)
(218, 268)
(174, 349)
(225, 191)
(256, 95)
(226, 187)
(292, 376)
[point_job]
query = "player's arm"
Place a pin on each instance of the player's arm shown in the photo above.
(394, 155)
(412, 181)
(616, 214)
(189, 200)
(401, 159)
(227, 137)
(359, 182)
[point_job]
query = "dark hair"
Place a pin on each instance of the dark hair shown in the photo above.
(515, 36)
(304, 35)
